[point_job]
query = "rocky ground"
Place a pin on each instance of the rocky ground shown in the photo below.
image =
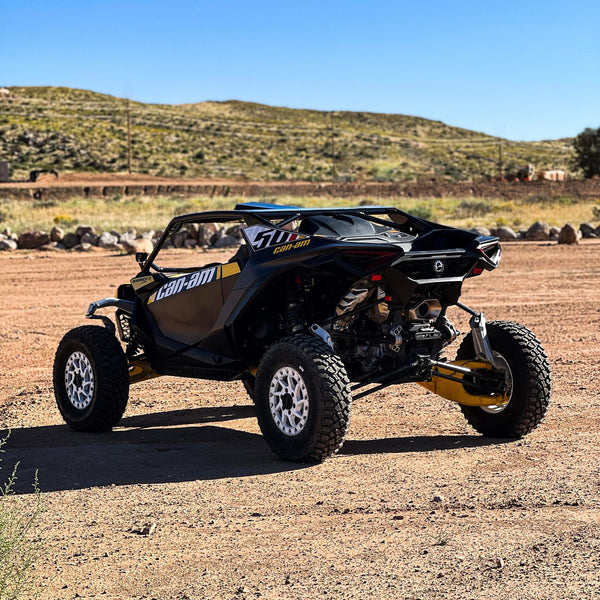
(184, 500)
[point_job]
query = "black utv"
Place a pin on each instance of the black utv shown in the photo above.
(316, 308)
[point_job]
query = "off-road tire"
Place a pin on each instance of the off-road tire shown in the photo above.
(531, 382)
(326, 396)
(97, 400)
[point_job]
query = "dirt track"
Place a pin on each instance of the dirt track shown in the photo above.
(512, 520)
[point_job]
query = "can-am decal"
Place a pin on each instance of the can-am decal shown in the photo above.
(260, 237)
(183, 283)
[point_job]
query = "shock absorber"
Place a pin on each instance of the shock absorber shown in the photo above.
(294, 314)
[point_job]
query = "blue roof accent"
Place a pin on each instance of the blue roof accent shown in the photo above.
(263, 205)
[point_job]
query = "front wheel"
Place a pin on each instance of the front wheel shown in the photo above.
(303, 399)
(91, 379)
(527, 372)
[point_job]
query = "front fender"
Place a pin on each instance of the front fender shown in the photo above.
(124, 305)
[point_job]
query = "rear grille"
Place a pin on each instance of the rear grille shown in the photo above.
(430, 268)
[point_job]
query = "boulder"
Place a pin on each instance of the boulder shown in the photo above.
(83, 247)
(506, 234)
(227, 241)
(70, 240)
(90, 238)
(8, 244)
(30, 240)
(554, 233)
(56, 234)
(587, 230)
(180, 237)
(83, 229)
(538, 232)
(204, 234)
(568, 235)
(137, 245)
(108, 240)
(480, 231)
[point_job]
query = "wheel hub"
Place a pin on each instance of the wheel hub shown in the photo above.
(79, 380)
(505, 369)
(288, 401)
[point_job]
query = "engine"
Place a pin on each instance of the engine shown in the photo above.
(371, 334)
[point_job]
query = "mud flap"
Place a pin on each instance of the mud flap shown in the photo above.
(455, 390)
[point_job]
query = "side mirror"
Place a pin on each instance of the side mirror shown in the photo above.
(141, 258)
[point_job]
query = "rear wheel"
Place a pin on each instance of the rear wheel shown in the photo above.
(91, 379)
(303, 399)
(526, 369)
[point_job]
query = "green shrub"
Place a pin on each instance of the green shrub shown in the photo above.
(18, 551)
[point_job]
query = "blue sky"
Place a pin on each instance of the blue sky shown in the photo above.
(527, 70)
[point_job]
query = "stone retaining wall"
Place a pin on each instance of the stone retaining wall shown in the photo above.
(589, 188)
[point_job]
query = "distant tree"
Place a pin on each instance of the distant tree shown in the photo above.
(587, 152)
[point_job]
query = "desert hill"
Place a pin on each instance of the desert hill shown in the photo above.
(77, 130)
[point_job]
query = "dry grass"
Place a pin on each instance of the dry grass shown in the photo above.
(144, 213)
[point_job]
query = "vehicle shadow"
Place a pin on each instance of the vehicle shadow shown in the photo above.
(421, 443)
(173, 446)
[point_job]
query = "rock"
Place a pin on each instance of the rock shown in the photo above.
(204, 234)
(227, 241)
(554, 232)
(439, 498)
(148, 235)
(234, 231)
(116, 234)
(8, 244)
(506, 234)
(216, 236)
(538, 232)
(83, 247)
(189, 243)
(568, 235)
(90, 238)
(108, 240)
(587, 230)
(480, 231)
(51, 247)
(83, 229)
(7, 231)
(137, 245)
(70, 240)
(33, 239)
(598, 231)
(179, 238)
(56, 234)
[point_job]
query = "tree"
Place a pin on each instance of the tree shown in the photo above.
(587, 152)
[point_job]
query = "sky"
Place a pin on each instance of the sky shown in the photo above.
(521, 70)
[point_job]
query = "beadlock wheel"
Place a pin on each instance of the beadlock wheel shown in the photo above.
(91, 379)
(79, 380)
(527, 370)
(303, 399)
(288, 400)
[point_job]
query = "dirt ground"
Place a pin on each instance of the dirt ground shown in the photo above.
(183, 500)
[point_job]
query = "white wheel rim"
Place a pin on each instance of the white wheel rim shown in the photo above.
(494, 409)
(79, 380)
(288, 400)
